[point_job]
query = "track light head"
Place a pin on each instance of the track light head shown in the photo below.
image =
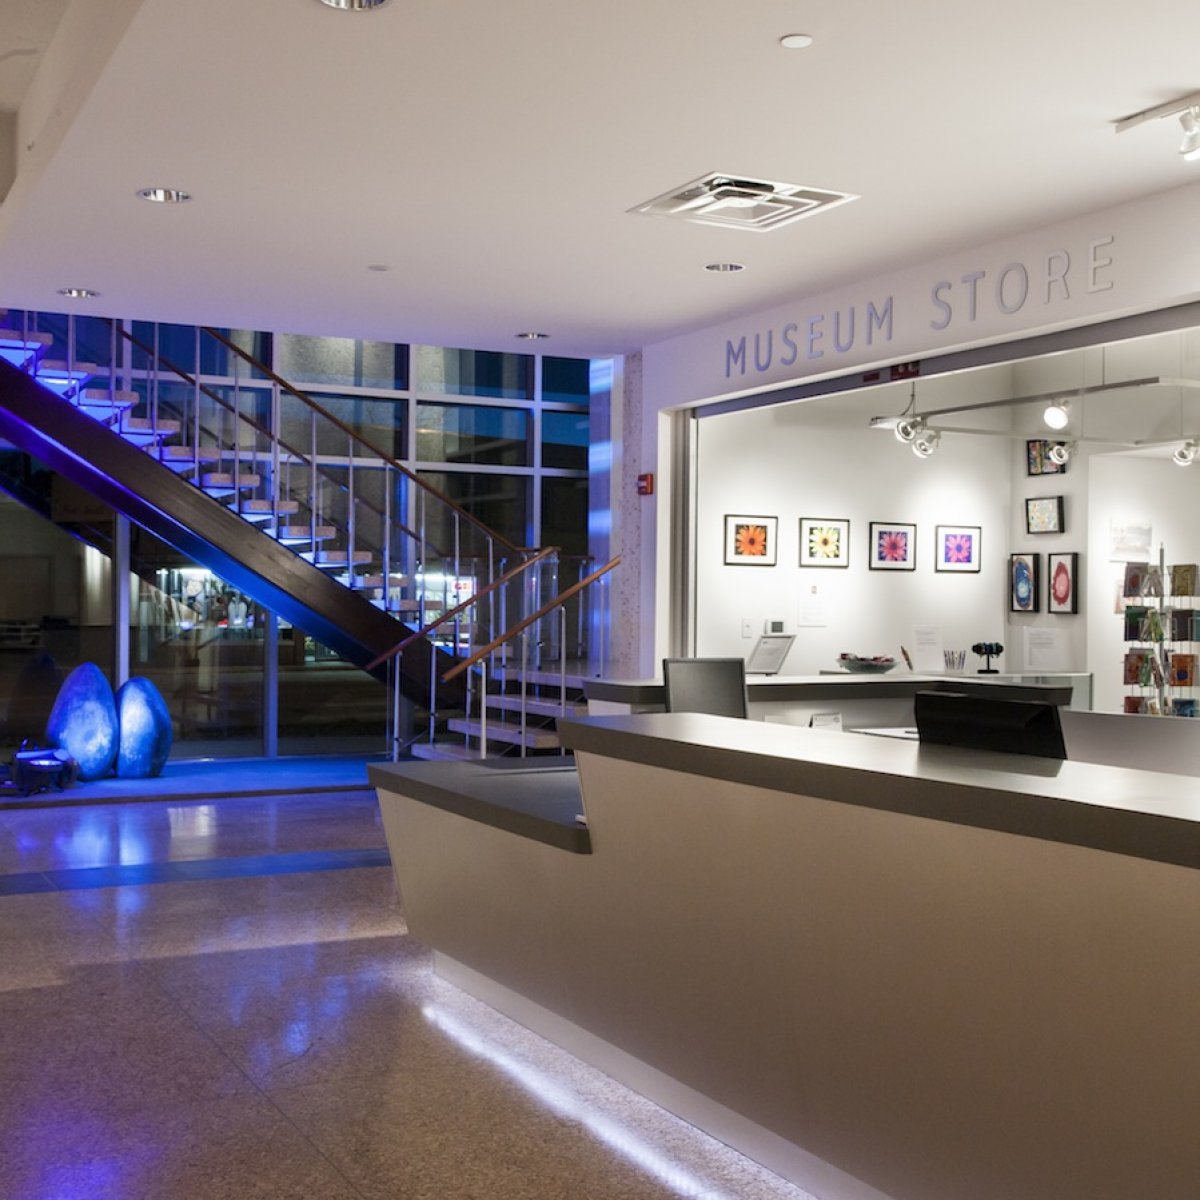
(1190, 146)
(926, 442)
(1185, 455)
(1060, 453)
(907, 428)
(1057, 414)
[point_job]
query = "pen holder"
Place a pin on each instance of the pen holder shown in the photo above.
(955, 660)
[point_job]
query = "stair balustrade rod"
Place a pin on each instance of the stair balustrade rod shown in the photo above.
(432, 691)
(351, 521)
(237, 432)
(312, 484)
(483, 719)
(524, 690)
(276, 488)
(562, 659)
(195, 398)
(395, 668)
(386, 556)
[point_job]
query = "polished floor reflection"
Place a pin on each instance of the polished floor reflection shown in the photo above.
(248, 1018)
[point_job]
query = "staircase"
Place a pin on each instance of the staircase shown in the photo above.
(295, 509)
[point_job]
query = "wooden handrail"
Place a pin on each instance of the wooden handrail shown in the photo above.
(399, 466)
(257, 426)
(548, 607)
(512, 573)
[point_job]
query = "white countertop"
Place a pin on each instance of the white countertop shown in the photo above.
(1143, 813)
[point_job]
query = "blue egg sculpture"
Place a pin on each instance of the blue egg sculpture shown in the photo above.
(145, 726)
(83, 721)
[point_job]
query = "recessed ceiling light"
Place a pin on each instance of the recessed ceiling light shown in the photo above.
(78, 293)
(796, 41)
(378, 267)
(533, 337)
(724, 267)
(162, 195)
(355, 5)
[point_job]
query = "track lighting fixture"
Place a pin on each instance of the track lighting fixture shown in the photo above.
(1186, 454)
(926, 442)
(1057, 414)
(907, 428)
(1190, 146)
(1186, 108)
(1060, 453)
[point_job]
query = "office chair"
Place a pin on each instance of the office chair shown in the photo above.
(706, 685)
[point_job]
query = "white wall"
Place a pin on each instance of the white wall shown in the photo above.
(803, 461)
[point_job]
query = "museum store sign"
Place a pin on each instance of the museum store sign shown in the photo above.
(1123, 260)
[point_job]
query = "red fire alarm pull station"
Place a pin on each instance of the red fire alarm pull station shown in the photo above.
(646, 485)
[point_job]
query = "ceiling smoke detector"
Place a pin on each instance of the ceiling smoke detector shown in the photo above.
(735, 202)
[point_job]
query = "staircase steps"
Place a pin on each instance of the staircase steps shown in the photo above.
(142, 431)
(442, 751)
(23, 349)
(302, 535)
(500, 731)
(66, 380)
(541, 678)
(225, 483)
(538, 706)
(334, 559)
(106, 406)
(264, 510)
(183, 459)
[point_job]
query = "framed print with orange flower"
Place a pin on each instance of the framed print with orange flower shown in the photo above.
(824, 542)
(893, 547)
(957, 548)
(750, 541)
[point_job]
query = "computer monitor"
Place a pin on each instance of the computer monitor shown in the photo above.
(986, 723)
(706, 685)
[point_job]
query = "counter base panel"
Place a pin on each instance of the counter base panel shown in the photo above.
(773, 1152)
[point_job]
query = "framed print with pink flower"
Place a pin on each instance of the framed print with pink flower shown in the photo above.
(1061, 594)
(957, 548)
(893, 547)
(750, 541)
(824, 542)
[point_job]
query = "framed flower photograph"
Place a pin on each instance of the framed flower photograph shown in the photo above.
(1062, 571)
(1038, 460)
(751, 541)
(956, 548)
(824, 542)
(893, 547)
(1044, 514)
(1024, 577)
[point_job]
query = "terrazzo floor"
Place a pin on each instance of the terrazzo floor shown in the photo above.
(248, 1018)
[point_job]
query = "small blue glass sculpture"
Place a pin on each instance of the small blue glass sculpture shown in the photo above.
(145, 726)
(83, 721)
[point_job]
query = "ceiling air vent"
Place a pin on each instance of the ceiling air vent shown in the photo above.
(735, 202)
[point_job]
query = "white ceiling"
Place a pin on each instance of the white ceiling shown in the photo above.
(487, 152)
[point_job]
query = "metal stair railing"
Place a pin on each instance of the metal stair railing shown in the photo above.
(598, 580)
(331, 494)
(429, 630)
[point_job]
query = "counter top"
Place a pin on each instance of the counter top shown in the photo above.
(537, 799)
(831, 686)
(1144, 814)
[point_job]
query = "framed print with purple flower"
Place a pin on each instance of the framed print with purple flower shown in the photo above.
(893, 547)
(957, 548)
(824, 542)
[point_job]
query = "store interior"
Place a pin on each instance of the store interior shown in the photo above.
(1132, 410)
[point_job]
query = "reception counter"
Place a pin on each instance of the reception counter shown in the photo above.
(882, 970)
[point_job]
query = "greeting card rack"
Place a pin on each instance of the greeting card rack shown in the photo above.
(1161, 638)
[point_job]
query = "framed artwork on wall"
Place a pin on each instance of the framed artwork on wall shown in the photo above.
(893, 547)
(751, 541)
(1062, 570)
(956, 548)
(1038, 460)
(824, 542)
(1044, 514)
(1024, 576)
